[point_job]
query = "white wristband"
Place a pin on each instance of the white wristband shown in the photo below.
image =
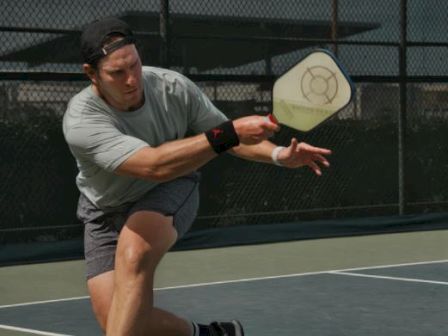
(274, 155)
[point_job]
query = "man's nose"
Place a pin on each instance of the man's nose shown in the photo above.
(131, 79)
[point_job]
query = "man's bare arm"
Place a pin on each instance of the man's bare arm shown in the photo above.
(169, 160)
(180, 157)
(296, 155)
(260, 152)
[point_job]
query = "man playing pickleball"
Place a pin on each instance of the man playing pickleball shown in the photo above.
(137, 179)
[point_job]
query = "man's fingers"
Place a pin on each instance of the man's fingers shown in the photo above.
(270, 125)
(293, 146)
(315, 150)
(315, 167)
(322, 159)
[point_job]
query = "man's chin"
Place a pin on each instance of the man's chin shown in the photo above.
(136, 103)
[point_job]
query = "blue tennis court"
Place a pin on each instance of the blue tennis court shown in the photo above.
(389, 299)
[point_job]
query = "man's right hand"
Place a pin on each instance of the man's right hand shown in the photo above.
(254, 129)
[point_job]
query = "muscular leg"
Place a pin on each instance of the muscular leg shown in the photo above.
(101, 289)
(128, 291)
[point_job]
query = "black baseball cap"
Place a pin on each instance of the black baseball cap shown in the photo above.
(95, 33)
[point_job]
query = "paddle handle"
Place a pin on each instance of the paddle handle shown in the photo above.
(270, 117)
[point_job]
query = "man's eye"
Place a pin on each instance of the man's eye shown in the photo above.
(117, 72)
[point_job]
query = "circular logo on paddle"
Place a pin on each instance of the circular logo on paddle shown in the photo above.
(319, 85)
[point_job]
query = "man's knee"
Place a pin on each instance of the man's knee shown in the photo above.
(145, 238)
(136, 258)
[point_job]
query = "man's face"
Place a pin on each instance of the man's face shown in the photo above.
(118, 79)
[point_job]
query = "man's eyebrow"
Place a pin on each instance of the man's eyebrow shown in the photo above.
(119, 68)
(113, 68)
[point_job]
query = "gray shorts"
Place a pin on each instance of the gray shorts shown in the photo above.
(178, 198)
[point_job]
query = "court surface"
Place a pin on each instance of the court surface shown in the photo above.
(395, 284)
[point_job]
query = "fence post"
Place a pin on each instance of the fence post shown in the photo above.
(334, 25)
(165, 33)
(402, 118)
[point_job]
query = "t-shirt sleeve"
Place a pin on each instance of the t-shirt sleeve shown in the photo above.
(102, 144)
(203, 115)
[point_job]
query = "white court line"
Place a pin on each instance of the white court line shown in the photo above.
(242, 280)
(41, 302)
(30, 331)
(393, 265)
(390, 278)
(300, 274)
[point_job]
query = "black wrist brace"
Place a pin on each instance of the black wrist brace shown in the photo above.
(222, 137)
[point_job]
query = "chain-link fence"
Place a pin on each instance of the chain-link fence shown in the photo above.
(389, 157)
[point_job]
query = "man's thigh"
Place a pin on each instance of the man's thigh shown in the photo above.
(177, 199)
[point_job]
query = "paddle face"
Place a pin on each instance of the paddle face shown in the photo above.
(311, 92)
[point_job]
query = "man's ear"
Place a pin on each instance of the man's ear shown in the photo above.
(90, 72)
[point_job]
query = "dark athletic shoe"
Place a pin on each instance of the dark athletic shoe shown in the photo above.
(233, 328)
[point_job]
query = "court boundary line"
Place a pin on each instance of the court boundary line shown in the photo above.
(285, 276)
(204, 284)
(363, 275)
(31, 331)
(44, 301)
(392, 265)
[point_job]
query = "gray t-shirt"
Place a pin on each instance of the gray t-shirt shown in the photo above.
(101, 138)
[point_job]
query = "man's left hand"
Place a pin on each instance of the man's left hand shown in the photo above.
(302, 154)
